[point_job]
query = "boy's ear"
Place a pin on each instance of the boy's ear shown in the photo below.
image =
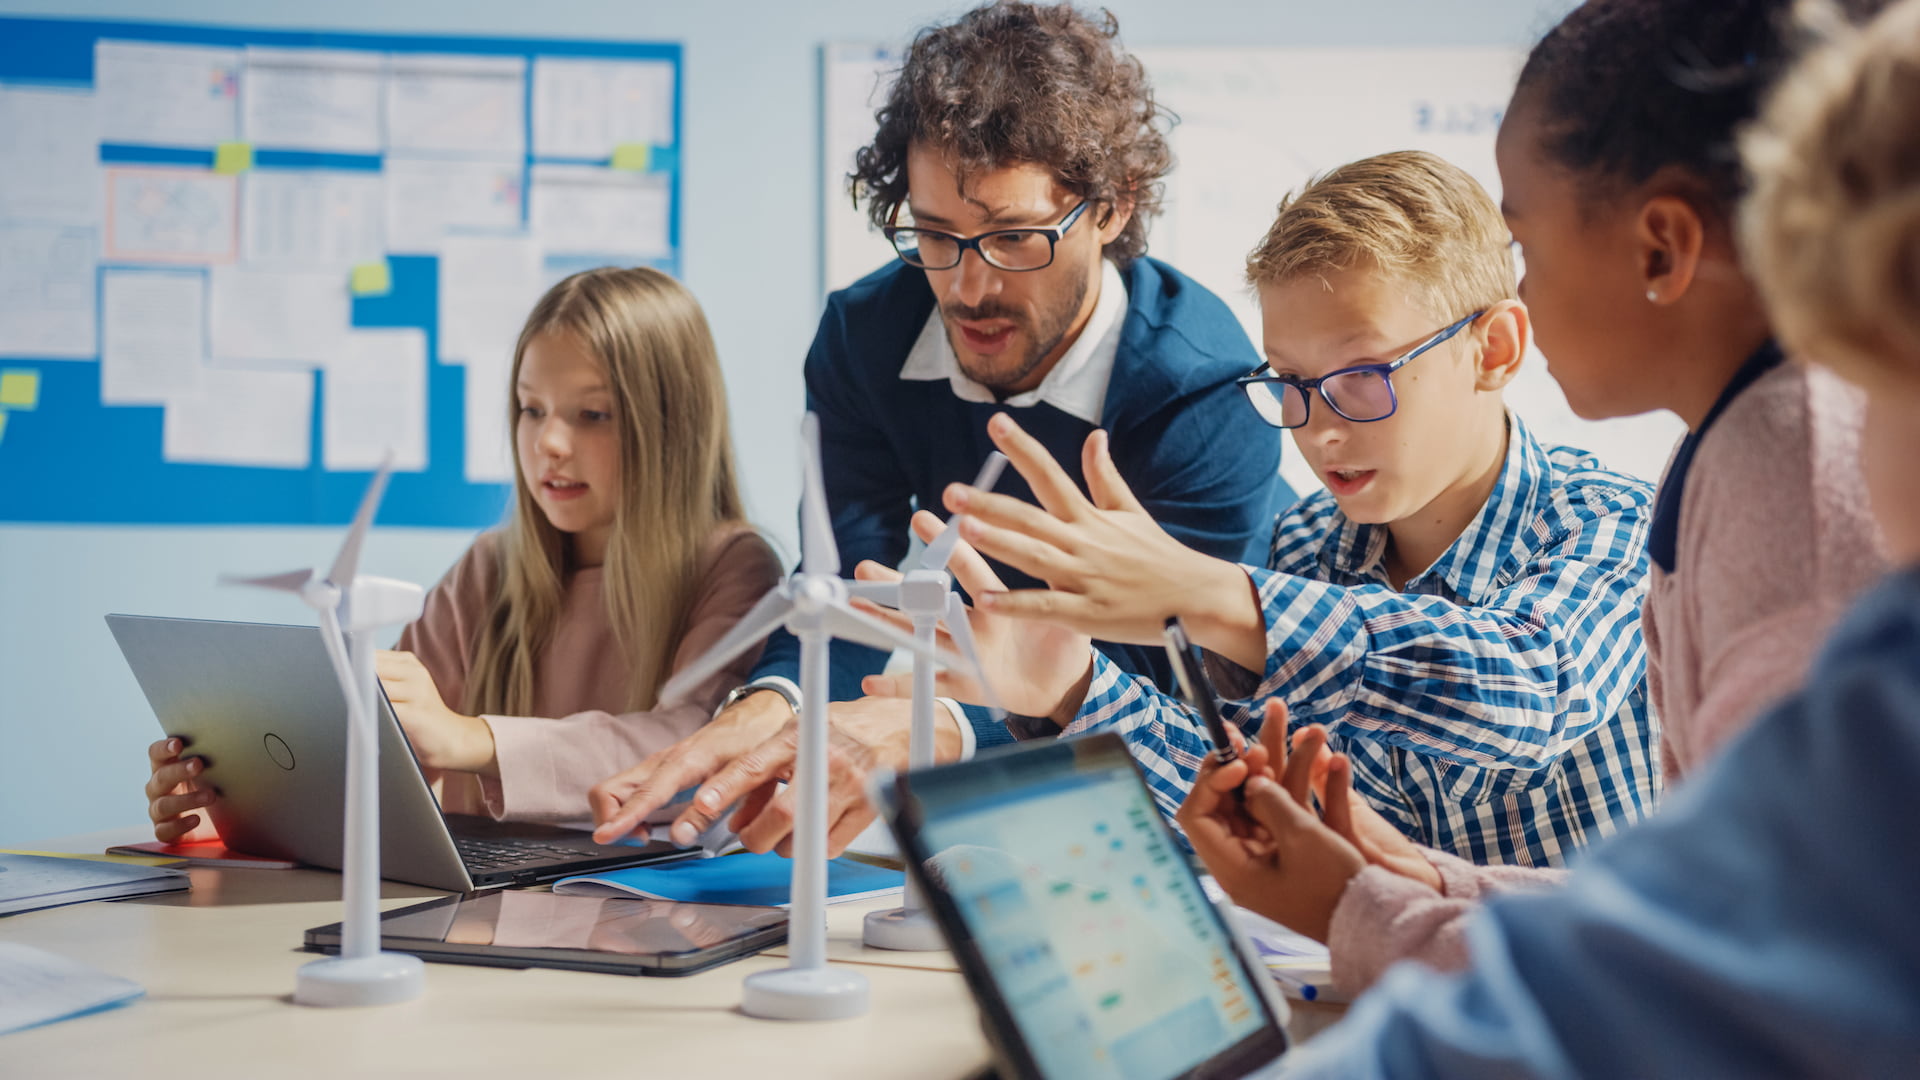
(1669, 238)
(1503, 332)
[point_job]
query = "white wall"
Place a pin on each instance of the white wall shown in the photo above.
(73, 722)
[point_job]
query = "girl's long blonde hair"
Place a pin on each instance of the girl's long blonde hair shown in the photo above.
(676, 487)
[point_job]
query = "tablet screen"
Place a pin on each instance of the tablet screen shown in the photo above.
(1108, 956)
(543, 929)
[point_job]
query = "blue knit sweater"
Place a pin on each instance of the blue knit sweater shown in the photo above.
(1183, 437)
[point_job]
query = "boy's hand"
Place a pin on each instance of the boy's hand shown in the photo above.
(1033, 668)
(1114, 573)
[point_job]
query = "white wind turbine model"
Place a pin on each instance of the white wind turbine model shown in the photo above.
(813, 606)
(351, 607)
(925, 594)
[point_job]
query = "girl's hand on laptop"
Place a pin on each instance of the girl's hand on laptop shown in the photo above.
(441, 738)
(1112, 571)
(1033, 668)
(174, 792)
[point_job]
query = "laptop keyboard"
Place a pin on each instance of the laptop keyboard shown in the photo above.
(489, 855)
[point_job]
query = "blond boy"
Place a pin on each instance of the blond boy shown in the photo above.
(1460, 607)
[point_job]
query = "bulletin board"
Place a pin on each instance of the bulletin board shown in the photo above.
(237, 266)
(1252, 125)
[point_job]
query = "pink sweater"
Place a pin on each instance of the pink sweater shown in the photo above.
(580, 735)
(1775, 540)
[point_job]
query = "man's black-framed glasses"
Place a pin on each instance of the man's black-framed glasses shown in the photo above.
(1029, 248)
(1362, 393)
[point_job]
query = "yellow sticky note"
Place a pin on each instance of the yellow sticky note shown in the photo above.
(3, 424)
(372, 279)
(19, 389)
(632, 157)
(232, 157)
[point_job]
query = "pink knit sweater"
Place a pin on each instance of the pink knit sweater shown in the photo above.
(1775, 540)
(580, 734)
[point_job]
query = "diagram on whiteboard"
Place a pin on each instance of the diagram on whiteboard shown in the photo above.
(1253, 125)
(224, 257)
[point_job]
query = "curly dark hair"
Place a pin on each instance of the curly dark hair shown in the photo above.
(1629, 87)
(1011, 83)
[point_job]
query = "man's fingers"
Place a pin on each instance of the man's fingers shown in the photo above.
(868, 570)
(1050, 483)
(966, 564)
(1104, 483)
(772, 826)
(757, 766)
(648, 786)
(893, 686)
(751, 806)
(846, 828)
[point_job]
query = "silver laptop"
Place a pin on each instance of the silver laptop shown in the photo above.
(1081, 929)
(260, 705)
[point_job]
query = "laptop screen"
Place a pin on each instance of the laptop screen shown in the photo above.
(1097, 937)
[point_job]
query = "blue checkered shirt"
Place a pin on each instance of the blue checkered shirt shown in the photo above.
(1494, 708)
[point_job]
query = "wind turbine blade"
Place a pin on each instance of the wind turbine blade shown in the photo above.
(348, 561)
(861, 629)
(818, 553)
(884, 593)
(762, 619)
(961, 630)
(292, 581)
(937, 554)
(336, 643)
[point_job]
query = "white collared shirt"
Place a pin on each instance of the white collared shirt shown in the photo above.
(1077, 385)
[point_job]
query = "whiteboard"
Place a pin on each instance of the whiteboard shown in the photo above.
(1253, 125)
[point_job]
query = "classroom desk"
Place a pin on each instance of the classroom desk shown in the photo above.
(218, 964)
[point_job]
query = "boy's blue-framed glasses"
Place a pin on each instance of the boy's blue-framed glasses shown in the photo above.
(1362, 393)
(1030, 248)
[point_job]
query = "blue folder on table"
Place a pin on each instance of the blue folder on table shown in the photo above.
(745, 878)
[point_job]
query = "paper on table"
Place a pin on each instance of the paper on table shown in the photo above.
(47, 291)
(489, 449)
(457, 104)
(375, 398)
(170, 215)
(325, 100)
(49, 155)
(152, 335)
(586, 208)
(488, 285)
(166, 95)
(39, 987)
(242, 418)
(427, 196)
(585, 108)
(277, 316)
(312, 219)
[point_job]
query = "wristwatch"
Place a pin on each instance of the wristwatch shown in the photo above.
(740, 693)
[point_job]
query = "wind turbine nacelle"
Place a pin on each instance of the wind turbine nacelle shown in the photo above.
(373, 602)
(815, 592)
(924, 591)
